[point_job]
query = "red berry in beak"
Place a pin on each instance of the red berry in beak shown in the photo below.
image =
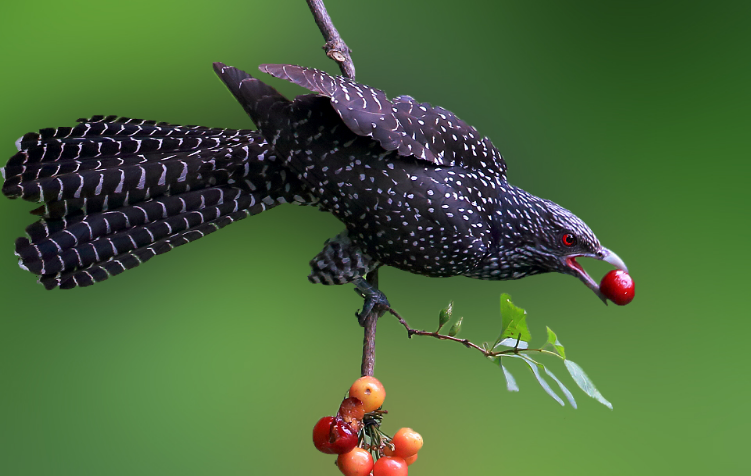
(618, 286)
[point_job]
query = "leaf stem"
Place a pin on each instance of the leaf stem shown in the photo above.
(465, 342)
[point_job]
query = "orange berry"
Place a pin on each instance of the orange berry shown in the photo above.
(407, 442)
(411, 459)
(357, 462)
(351, 411)
(370, 391)
(390, 466)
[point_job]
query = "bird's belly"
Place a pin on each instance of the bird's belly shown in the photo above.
(410, 219)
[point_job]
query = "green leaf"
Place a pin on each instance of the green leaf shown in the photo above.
(581, 379)
(553, 339)
(566, 392)
(510, 380)
(445, 315)
(513, 322)
(536, 366)
(456, 327)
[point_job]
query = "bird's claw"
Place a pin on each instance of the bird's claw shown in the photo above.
(375, 303)
(375, 300)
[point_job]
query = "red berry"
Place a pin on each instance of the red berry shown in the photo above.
(342, 437)
(351, 410)
(321, 434)
(370, 391)
(334, 436)
(357, 462)
(618, 286)
(390, 466)
(407, 442)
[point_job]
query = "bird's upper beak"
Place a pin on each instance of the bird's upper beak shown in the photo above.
(605, 255)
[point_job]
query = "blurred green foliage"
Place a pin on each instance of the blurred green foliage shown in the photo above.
(218, 357)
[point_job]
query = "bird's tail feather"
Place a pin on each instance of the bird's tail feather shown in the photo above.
(89, 248)
(117, 191)
(105, 162)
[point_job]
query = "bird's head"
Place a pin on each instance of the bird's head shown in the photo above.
(546, 237)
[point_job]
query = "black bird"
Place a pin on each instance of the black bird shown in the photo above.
(416, 188)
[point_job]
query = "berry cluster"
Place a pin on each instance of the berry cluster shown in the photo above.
(354, 434)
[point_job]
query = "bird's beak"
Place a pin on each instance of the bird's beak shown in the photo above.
(609, 257)
(605, 255)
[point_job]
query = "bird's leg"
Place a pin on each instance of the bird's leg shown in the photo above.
(343, 261)
(375, 300)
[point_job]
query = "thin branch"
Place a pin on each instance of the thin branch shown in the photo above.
(415, 332)
(337, 50)
(369, 323)
(465, 342)
(335, 47)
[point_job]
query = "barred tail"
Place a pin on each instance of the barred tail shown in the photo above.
(106, 162)
(117, 191)
(90, 248)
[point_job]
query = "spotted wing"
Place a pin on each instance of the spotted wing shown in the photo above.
(428, 133)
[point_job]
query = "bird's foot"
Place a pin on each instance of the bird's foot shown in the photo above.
(375, 300)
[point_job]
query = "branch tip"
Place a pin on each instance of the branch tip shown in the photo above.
(335, 47)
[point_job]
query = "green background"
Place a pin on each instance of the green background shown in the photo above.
(219, 357)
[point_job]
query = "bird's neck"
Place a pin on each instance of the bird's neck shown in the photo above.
(518, 222)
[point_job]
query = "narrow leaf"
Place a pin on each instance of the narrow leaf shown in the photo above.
(581, 379)
(456, 327)
(553, 339)
(565, 391)
(510, 380)
(536, 366)
(445, 315)
(513, 321)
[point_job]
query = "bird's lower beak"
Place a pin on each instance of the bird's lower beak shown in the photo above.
(605, 255)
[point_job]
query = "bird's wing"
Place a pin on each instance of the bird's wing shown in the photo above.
(428, 133)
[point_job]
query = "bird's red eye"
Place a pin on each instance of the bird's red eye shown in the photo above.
(568, 239)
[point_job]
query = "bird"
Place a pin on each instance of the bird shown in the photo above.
(415, 187)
